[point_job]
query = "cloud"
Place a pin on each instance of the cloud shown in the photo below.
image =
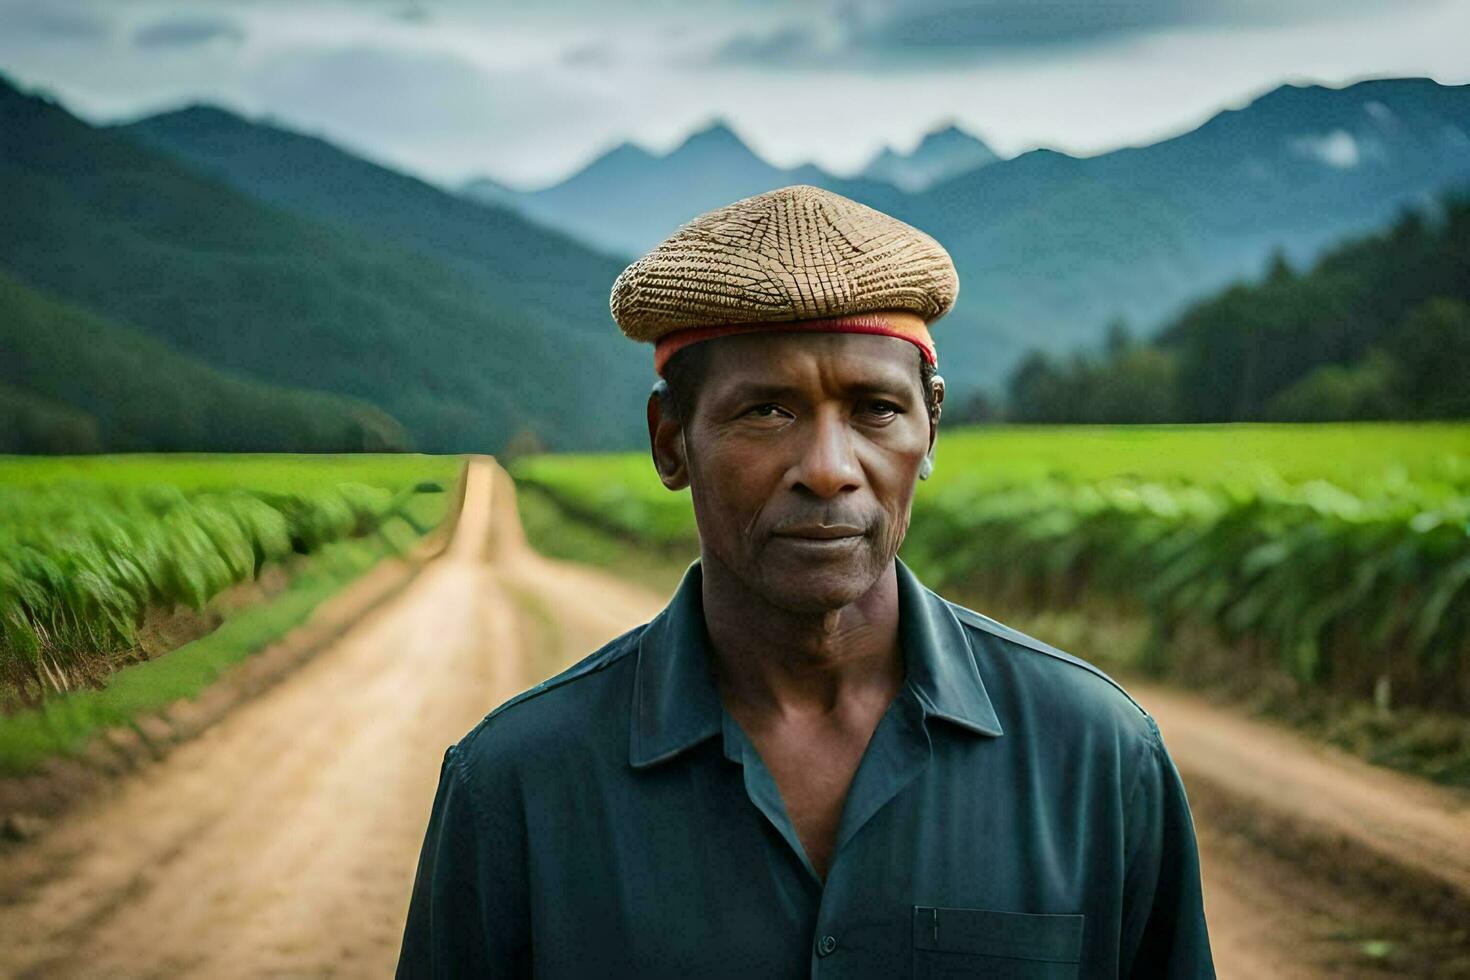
(187, 30)
(594, 55)
(878, 33)
(379, 86)
(878, 24)
(788, 44)
(430, 111)
(46, 21)
(1337, 149)
(531, 92)
(413, 13)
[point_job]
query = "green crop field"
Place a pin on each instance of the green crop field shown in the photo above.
(1341, 551)
(89, 545)
(196, 472)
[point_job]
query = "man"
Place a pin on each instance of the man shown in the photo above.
(807, 764)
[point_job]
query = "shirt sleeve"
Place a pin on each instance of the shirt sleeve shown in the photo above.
(1165, 934)
(466, 914)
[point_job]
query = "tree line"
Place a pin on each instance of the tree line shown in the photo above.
(1377, 328)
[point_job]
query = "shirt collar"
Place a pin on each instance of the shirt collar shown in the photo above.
(676, 703)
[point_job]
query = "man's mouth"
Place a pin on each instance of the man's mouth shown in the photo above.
(821, 532)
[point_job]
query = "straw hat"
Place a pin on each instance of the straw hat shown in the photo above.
(798, 257)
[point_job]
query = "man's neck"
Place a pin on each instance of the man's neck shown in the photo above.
(773, 663)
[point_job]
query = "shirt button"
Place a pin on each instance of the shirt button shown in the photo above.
(826, 945)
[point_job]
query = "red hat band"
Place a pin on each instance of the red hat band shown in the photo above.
(909, 328)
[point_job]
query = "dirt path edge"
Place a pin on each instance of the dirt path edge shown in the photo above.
(30, 803)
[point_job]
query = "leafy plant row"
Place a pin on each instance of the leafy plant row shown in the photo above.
(1339, 588)
(1336, 589)
(80, 564)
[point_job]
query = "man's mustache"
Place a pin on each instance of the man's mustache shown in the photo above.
(823, 523)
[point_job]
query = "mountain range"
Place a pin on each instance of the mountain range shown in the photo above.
(303, 297)
(1051, 247)
(628, 199)
(943, 153)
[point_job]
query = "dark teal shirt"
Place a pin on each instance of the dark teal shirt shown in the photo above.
(1015, 814)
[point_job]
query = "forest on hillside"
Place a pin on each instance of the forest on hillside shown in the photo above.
(147, 304)
(1377, 328)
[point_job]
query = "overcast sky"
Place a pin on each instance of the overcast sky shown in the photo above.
(451, 89)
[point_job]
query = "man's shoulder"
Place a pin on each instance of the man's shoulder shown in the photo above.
(579, 705)
(1037, 671)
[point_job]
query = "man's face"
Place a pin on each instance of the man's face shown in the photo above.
(801, 457)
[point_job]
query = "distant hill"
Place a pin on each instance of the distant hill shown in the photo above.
(32, 424)
(345, 305)
(487, 190)
(1050, 248)
(1377, 328)
(628, 200)
(74, 382)
(1058, 245)
(515, 260)
(943, 153)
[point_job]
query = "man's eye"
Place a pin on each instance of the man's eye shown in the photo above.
(884, 408)
(760, 411)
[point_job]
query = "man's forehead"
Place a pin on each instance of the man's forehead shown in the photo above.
(779, 359)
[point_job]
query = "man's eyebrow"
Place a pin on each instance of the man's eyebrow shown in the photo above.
(881, 386)
(758, 389)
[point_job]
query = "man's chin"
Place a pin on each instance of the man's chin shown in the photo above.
(818, 586)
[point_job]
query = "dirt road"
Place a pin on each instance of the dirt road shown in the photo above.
(283, 841)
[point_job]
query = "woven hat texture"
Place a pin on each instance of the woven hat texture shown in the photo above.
(794, 253)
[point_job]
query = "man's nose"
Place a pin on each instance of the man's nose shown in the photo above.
(829, 463)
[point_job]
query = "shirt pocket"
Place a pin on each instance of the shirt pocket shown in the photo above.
(994, 943)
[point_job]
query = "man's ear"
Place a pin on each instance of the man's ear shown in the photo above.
(666, 438)
(937, 384)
